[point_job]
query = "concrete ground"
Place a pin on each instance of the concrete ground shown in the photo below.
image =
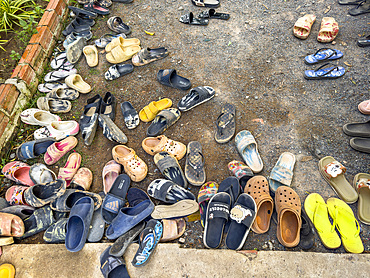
(168, 260)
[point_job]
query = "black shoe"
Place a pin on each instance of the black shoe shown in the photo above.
(307, 236)
(108, 106)
(89, 119)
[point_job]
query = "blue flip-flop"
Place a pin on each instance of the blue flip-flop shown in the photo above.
(33, 149)
(326, 71)
(247, 148)
(323, 55)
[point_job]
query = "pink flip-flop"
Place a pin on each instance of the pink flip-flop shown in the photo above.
(111, 171)
(58, 149)
(19, 172)
(14, 195)
(364, 107)
(70, 169)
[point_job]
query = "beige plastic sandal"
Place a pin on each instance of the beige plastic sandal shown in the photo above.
(302, 27)
(329, 30)
(133, 165)
(361, 183)
(76, 82)
(154, 145)
(120, 54)
(121, 41)
(91, 55)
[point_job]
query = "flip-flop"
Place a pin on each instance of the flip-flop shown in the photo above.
(170, 168)
(149, 112)
(213, 15)
(317, 210)
(194, 166)
(76, 82)
(302, 27)
(163, 121)
(42, 194)
(60, 61)
(362, 8)
(112, 267)
(58, 75)
(217, 215)
(361, 182)
(231, 186)
(241, 171)
(258, 188)
(346, 224)
(148, 55)
(116, 71)
(360, 144)
(33, 149)
(247, 148)
(82, 179)
(206, 3)
(19, 172)
(282, 173)
(47, 87)
(115, 198)
(170, 78)
(11, 225)
(111, 131)
(54, 105)
(328, 31)
(206, 192)
(64, 94)
(326, 71)
(130, 116)
(34, 116)
(357, 129)
(154, 145)
(111, 171)
(168, 192)
(177, 210)
(70, 168)
(195, 97)
(65, 202)
(172, 229)
(333, 172)
(107, 38)
(57, 150)
(323, 55)
(191, 20)
(242, 216)
(225, 124)
(56, 233)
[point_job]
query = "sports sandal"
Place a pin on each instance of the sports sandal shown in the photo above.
(168, 192)
(63, 94)
(213, 15)
(206, 3)
(346, 224)
(120, 41)
(225, 124)
(40, 195)
(206, 192)
(116, 24)
(120, 246)
(149, 112)
(57, 130)
(177, 210)
(302, 27)
(333, 172)
(116, 71)
(362, 8)
(323, 55)
(288, 208)
(91, 55)
(357, 129)
(163, 121)
(170, 78)
(195, 97)
(191, 20)
(361, 183)
(58, 75)
(282, 173)
(19, 172)
(217, 215)
(329, 30)
(247, 148)
(241, 171)
(133, 165)
(11, 225)
(173, 229)
(120, 54)
(54, 105)
(130, 116)
(317, 211)
(33, 149)
(154, 145)
(326, 71)
(57, 150)
(111, 171)
(112, 267)
(194, 166)
(70, 168)
(76, 82)
(258, 188)
(170, 168)
(148, 241)
(148, 55)
(242, 216)
(107, 38)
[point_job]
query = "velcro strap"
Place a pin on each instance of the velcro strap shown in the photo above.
(167, 162)
(113, 203)
(334, 169)
(245, 142)
(110, 264)
(218, 210)
(282, 175)
(242, 214)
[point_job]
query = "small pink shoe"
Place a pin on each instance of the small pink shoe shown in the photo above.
(14, 195)
(58, 149)
(364, 107)
(19, 172)
(70, 169)
(111, 171)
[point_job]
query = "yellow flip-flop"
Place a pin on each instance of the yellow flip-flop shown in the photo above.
(7, 271)
(346, 224)
(317, 211)
(149, 112)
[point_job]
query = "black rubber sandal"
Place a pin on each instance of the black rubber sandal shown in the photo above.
(170, 78)
(148, 55)
(225, 124)
(213, 15)
(189, 19)
(362, 8)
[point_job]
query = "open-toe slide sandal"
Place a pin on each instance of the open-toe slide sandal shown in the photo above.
(247, 148)
(64, 94)
(107, 38)
(111, 171)
(116, 71)
(54, 105)
(206, 192)
(170, 168)
(241, 171)
(11, 225)
(213, 15)
(173, 229)
(231, 186)
(329, 30)
(149, 112)
(168, 192)
(195, 97)
(148, 55)
(282, 173)
(112, 267)
(163, 121)
(111, 131)
(361, 182)
(33, 149)
(170, 78)
(206, 3)
(191, 20)
(120, 246)
(302, 27)
(177, 210)
(357, 129)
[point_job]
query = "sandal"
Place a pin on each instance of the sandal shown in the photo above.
(63, 94)
(149, 112)
(70, 168)
(58, 75)
(82, 179)
(169, 77)
(104, 3)
(302, 27)
(60, 61)
(214, 15)
(362, 8)
(130, 116)
(333, 172)
(54, 105)
(120, 246)
(39, 173)
(11, 225)
(120, 54)
(116, 71)
(33, 149)
(96, 8)
(154, 145)
(107, 38)
(168, 192)
(326, 71)
(231, 186)
(247, 148)
(41, 219)
(120, 41)
(177, 210)
(57, 150)
(170, 168)
(225, 124)
(111, 171)
(206, 192)
(116, 24)
(56, 233)
(360, 144)
(194, 166)
(206, 3)
(173, 229)
(329, 30)
(89, 119)
(19, 172)
(111, 266)
(14, 195)
(282, 173)
(91, 55)
(66, 202)
(323, 55)
(241, 171)
(357, 129)
(108, 106)
(133, 165)
(47, 87)
(363, 42)
(163, 121)
(111, 131)
(76, 82)
(57, 130)
(74, 49)
(40, 195)
(363, 107)
(148, 55)
(288, 209)
(195, 97)
(189, 19)
(34, 116)
(361, 183)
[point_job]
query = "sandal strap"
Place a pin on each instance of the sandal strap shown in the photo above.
(167, 162)
(242, 215)
(282, 175)
(335, 67)
(218, 210)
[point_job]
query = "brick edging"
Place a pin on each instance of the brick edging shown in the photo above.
(30, 67)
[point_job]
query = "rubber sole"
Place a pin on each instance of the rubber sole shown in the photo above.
(177, 210)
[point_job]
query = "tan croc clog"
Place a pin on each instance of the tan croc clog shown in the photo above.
(333, 172)
(258, 188)
(361, 183)
(91, 55)
(154, 145)
(120, 54)
(172, 229)
(329, 30)
(76, 82)
(82, 179)
(364, 107)
(288, 208)
(121, 41)
(11, 225)
(133, 165)
(302, 27)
